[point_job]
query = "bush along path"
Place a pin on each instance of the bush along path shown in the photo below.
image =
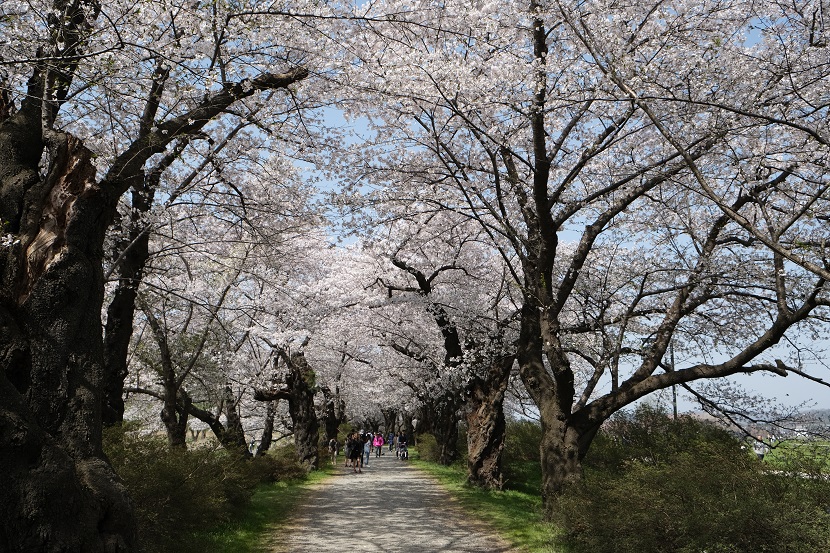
(391, 506)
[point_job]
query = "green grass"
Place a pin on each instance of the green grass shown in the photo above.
(515, 513)
(268, 510)
(810, 455)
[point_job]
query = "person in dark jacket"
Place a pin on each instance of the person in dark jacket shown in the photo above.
(356, 452)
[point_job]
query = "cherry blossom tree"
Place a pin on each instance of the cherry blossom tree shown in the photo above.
(186, 353)
(643, 186)
(308, 323)
(447, 316)
(72, 71)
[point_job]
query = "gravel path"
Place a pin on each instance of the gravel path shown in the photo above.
(390, 507)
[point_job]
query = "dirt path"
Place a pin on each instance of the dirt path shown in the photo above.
(390, 507)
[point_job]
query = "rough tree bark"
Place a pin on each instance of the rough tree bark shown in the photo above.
(486, 425)
(334, 411)
(300, 387)
(234, 434)
(59, 493)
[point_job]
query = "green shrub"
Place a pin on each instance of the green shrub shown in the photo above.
(281, 464)
(180, 493)
(649, 435)
(428, 449)
(656, 485)
(521, 442)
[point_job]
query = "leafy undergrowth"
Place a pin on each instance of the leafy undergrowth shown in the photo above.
(516, 514)
(268, 510)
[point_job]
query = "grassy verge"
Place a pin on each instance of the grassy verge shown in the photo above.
(515, 513)
(268, 510)
(812, 455)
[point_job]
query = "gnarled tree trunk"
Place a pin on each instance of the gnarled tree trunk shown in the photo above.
(231, 435)
(300, 383)
(59, 494)
(486, 425)
(299, 391)
(334, 412)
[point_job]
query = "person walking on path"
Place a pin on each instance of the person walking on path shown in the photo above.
(367, 449)
(399, 439)
(349, 445)
(378, 444)
(334, 449)
(356, 452)
(420, 517)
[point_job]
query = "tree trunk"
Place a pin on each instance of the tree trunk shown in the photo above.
(178, 407)
(445, 430)
(174, 416)
(132, 255)
(565, 435)
(486, 425)
(300, 383)
(299, 391)
(389, 418)
(233, 438)
(560, 459)
(439, 417)
(176, 403)
(333, 414)
(267, 429)
(51, 350)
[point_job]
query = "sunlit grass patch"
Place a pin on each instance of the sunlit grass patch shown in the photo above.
(268, 511)
(516, 514)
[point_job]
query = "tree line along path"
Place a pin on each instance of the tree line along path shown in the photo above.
(390, 506)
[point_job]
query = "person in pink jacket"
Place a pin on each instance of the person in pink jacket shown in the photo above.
(378, 442)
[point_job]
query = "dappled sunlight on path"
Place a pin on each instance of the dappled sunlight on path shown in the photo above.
(391, 507)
